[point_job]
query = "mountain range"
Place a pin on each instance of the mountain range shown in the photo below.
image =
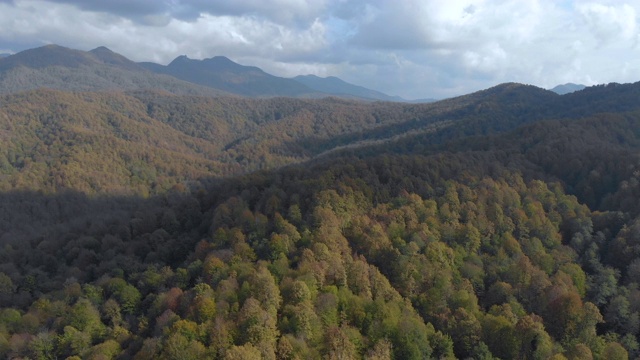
(221, 73)
(62, 68)
(229, 136)
(144, 216)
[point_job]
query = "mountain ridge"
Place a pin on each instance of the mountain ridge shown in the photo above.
(147, 225)
(58, 67)
(103, 69)
(244, 134)
(222, 73)
(337, 86)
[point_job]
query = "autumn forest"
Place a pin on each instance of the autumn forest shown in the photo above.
(146, 224)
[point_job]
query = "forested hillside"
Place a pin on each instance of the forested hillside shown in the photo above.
(146, 142)
(503, 224)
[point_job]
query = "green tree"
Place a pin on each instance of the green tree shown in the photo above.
(615, 351)
(178, 347)
(43, 347)
(84, 317)
(243, 352)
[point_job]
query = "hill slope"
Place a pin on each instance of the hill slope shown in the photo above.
(106, 142)
(502, 224)
(222, 137)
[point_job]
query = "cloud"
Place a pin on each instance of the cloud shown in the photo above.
(206, 36)
(607, 22)
(414, 48)
(148, 11)
(299, 12)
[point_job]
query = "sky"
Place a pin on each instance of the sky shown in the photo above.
(411, 48)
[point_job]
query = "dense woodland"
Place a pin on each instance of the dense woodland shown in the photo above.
(504, 224)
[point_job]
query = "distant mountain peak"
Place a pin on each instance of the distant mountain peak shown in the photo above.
(109, 57)
(102, 49)
(220, 72)
(58, 67)
(219, 60)
(181, 61)
(224, 63)
(53, 46)
(515, 87)
(567, 88)
(45, 56)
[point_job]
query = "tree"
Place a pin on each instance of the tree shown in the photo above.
(338, 345)
(178, 347)
(382, 350)
(43, 347)
(84, 317)
(73, 342)
(106, 350)
(243, 352)
(615, 351)
(6, 284)
(465, 332)
(499, 335)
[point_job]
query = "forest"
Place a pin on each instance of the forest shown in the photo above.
(142, 225)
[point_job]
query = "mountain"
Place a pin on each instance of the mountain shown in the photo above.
(567, 88)
(335, 86)
(47, 56)
(101, 69)
(4, 55)
(111, 58)
(179, 137)
(192, 137)
(221, 73)
(147, 225)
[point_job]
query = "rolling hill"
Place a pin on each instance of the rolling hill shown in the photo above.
(148, 225)
(225, 136)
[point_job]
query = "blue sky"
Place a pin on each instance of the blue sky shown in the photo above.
(411, 48)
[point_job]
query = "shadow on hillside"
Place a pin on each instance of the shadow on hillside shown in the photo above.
(48, 240)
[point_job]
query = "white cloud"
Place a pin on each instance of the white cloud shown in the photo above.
(282, 11)
(608, 22)
(415, 48)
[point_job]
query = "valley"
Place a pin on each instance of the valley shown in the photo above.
(144, 216)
